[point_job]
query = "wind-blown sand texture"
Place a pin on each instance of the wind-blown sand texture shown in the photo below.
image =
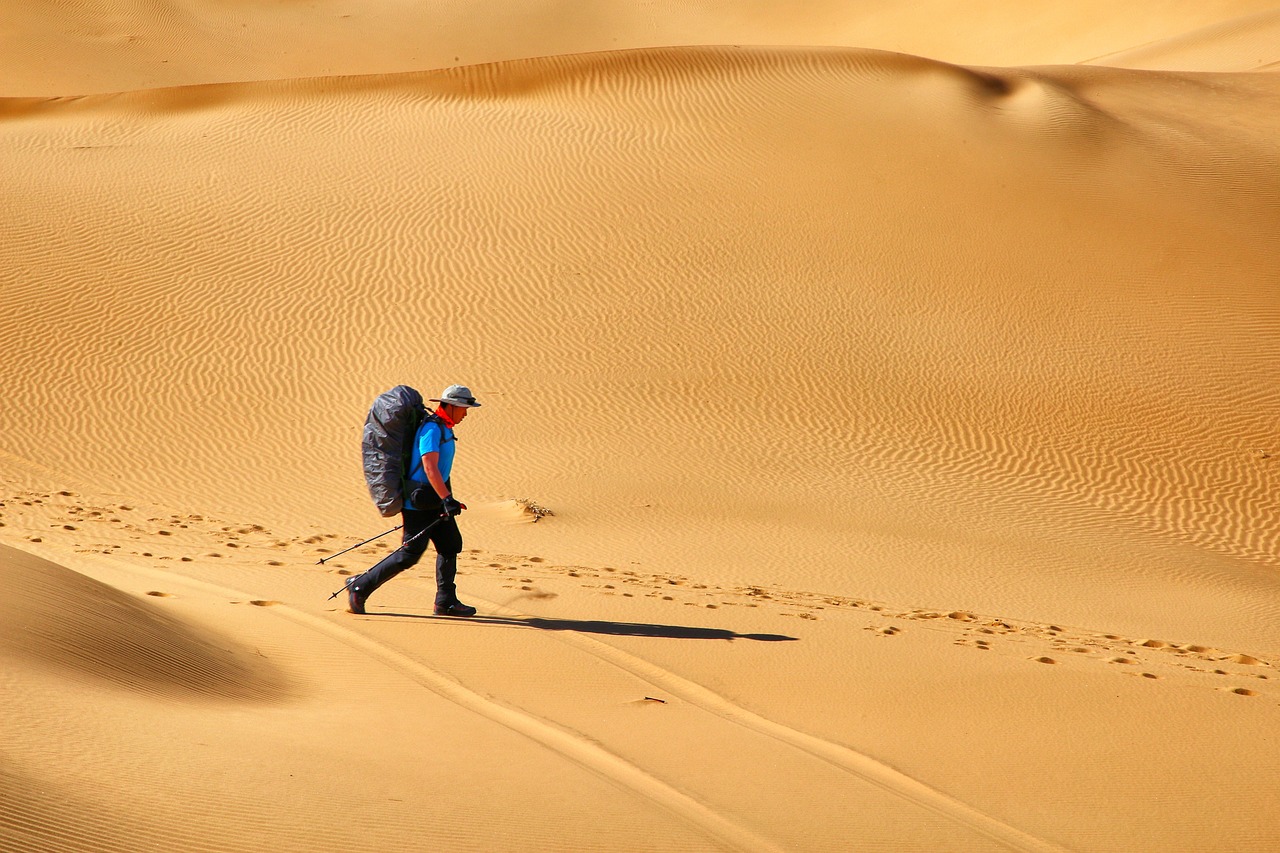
(908, 429)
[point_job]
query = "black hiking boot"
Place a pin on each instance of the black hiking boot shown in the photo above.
(455, 609)
(355, 601)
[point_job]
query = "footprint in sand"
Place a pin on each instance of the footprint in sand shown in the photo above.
(159, 594)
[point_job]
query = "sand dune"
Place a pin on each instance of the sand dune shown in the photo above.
(601, 252)
(60, 620)
(80, 48)
(326, 765)
(625, 697)
(908, 428)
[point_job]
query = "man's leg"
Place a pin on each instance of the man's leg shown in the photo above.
(362, 586)
(446, 572)
(448, 541)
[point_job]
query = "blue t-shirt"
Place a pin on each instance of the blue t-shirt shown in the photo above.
(432, 437)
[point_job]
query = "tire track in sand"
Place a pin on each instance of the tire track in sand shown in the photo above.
(572, 747)
(859, 764)
(592, 756)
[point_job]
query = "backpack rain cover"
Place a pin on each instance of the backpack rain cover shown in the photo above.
(389, 431)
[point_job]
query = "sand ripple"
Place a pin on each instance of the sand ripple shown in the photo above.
(837, 291)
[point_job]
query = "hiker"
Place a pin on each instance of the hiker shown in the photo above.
(428, 498)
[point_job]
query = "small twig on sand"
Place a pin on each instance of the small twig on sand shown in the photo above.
(538, 511)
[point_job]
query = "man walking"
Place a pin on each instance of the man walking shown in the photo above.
(429, 505)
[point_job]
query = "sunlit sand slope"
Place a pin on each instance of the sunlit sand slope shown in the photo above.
(811, 314)
(1250, 43)
(129, 728)
(61, 48)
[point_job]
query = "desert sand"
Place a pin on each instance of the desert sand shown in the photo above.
(879, 450)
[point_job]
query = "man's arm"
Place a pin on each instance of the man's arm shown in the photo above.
(431, 467)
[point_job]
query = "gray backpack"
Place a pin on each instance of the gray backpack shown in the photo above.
(387, 444)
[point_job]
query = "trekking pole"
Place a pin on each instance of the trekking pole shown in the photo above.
(322, 560)
(415, 537)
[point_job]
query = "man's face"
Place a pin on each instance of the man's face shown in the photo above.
(457, 413)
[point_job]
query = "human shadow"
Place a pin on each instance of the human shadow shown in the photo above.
(597, 626)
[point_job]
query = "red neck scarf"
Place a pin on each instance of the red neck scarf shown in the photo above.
(448, 421)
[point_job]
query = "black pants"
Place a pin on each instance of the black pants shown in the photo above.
(447, 540)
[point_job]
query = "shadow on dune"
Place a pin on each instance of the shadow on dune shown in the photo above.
(53, 618)
(594, 626)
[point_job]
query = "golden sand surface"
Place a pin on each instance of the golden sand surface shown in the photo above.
(879, 450)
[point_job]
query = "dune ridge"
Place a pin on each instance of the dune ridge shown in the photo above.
(78, 49)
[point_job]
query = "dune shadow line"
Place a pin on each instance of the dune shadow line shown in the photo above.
(597, 626)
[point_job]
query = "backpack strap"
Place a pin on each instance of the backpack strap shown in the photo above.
(411, 446)
(435, 419)
(420, 416)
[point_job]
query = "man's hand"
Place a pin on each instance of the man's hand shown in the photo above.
(452, 506)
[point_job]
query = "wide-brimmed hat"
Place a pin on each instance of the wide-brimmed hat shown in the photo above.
(457, 395)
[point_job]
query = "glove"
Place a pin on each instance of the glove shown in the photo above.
(452, 506)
